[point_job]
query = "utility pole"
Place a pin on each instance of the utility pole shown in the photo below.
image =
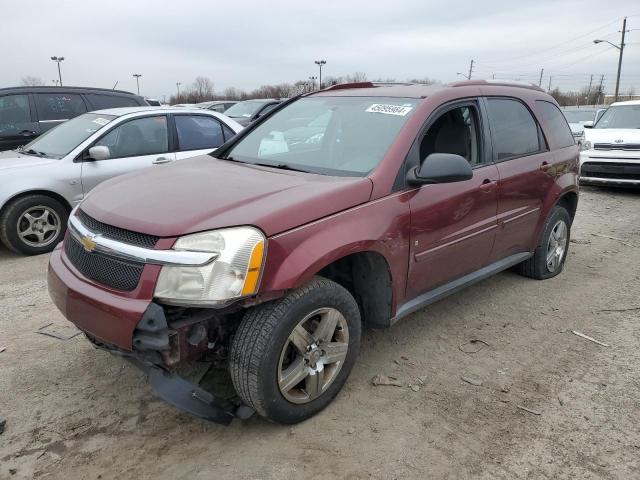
(137, 75)
(320, 63)
(624, 30)
(600, 88)
(540, 81)
(470, 70)
(589, 89)
(178, 85)
(549, 86)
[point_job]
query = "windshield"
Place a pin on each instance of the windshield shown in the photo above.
(59, 141)
(577, 116)
(244, 109)
(345, 136)
(621, 116)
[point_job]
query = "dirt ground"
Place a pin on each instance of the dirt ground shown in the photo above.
(74, 412)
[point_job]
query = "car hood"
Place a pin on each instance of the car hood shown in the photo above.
(616, 136)
(12, 160)
(204, 193)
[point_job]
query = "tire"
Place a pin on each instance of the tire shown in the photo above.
(48, 224)
(537, 266)
(262, 348)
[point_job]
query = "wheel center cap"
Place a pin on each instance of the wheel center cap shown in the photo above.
(314, 355)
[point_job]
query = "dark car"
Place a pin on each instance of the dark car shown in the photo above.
(26, 112)
(250, 110)
(270, 257)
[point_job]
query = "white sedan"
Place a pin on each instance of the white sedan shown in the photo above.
(43, 180)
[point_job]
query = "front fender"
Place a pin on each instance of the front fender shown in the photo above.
(381, 226)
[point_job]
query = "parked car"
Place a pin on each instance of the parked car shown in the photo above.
(250, 110)
(43, 180)
(270, 256)
(611, 148)
(217, 105)
(578, 117)
(26, 112)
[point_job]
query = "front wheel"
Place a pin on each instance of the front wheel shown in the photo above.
(291, 357)
(550, 254)
(33, 224)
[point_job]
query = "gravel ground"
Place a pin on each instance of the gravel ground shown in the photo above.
(547, 404)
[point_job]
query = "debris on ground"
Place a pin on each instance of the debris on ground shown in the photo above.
(415, 388)
(3, 423)
(351, 431)
(471, 380)
(580, 241)
(626, 309)
(535, 412)
(2, 349)
(472, 346)
(61, 332)
(381, 379)
(587, 337)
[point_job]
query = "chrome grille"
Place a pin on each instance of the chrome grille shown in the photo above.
(616, 146)
(116, 233)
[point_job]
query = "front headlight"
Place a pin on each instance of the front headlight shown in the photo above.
(234, 273)
(585, 144)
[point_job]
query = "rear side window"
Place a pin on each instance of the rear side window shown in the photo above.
(14, 109)
(99, 101)
(58, 106)
(197, 132)
(514, 131)
(556, 126)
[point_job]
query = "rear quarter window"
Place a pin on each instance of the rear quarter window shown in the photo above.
(100, 101)
(554, 125)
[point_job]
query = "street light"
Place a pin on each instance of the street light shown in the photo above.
(58, 60)
(320, 63)
(178, 85)
(621, 49)
(138, 75)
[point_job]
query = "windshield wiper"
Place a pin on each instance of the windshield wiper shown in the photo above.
(281, 166)
(31, 151)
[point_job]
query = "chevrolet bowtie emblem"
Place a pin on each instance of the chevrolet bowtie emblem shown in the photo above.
(88, 243)
(618, 140)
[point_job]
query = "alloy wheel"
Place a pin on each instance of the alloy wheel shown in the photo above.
(557, 245)
(39, 226)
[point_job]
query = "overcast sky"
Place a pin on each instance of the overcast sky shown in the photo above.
(249, 43)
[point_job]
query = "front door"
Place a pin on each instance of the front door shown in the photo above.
(453, 225)
(134, 144)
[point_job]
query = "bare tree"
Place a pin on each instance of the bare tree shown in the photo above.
(31, 81)
(202, 89)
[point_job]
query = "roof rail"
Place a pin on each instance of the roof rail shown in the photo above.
(501, 83)
(342, 86)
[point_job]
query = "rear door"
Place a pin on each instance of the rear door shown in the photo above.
(133, 144)
(522, 157)
(17, 125)
(55, 108)
(197, 134)
(453, 224)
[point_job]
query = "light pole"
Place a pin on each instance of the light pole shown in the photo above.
(178, 85)
(58, 60)
(138, 75)
(313, 83)
(621, 49)
(320, 63)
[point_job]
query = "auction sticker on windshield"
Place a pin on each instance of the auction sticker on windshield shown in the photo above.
(401, 110)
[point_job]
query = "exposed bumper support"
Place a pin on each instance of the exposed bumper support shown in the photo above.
(189, 397)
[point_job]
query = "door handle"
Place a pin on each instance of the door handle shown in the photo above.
(488, 185)
(161, 160)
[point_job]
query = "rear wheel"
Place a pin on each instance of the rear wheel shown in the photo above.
(33, 224)
(550, 254)
(290, 358)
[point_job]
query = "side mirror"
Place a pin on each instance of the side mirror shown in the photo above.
(440, 168)
(99, 153)
(587, 124)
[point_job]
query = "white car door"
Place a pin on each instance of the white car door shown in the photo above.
(199, 134)
(133, 144)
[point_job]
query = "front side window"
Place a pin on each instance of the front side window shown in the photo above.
(141, 136)
(197, 132)
(556, 127)
(346, 136)
(620, 116)
(514, 131)
(59, 141)
(456, 132)
(14, 109)
(58, 106)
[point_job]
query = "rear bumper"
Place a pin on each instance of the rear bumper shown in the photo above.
(101, 313)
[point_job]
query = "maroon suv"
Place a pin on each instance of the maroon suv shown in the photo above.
(356, 204)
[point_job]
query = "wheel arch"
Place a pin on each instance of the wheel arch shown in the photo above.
(569, 201)
(48, 193)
